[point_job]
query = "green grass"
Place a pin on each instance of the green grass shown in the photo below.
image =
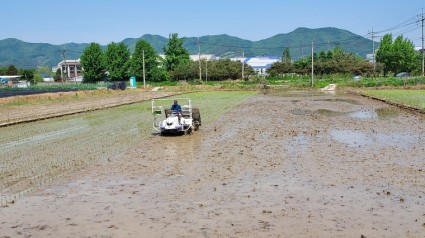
(300, 82)
(414, 98)
(79, 86)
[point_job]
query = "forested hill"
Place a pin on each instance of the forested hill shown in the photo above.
(30, 55)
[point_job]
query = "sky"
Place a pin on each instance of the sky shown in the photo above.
(104, 21)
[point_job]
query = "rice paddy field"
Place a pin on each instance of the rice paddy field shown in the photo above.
(412, 98)
(34, 154)
(269, 164)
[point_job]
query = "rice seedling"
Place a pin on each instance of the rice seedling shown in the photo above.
(413, 98)
(34, 154)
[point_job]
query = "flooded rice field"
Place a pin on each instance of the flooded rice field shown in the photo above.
(275, 165)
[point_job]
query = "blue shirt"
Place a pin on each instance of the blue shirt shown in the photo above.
(176, 108)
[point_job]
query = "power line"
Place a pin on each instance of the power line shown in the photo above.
(410, 21)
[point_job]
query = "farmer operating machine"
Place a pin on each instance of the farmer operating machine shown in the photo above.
(166, 121)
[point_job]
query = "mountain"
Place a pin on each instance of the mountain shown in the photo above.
(30, 55)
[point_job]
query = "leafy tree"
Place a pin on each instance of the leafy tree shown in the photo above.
(397, 56)
(286, 56)
(326, 63)
(153, 69)
(37, 79)
(279, 68)
(384, 52)
(58, 75)
(407, 56)
(91, 62)
(27, 74)
(117, 61)
(44, 70)
(175, 53)
(12, 70)
(222, 69)
(185, 71)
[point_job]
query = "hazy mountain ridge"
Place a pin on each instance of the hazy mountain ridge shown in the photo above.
(30, 55)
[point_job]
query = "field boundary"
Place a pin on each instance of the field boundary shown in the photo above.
(399, 105)
(29, 119)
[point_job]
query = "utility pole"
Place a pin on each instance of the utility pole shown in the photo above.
(423, 51)
(312, 63)
(373, 51)
(64, 62)
(206, 70)
(199, 58)
(144, 75)
(243, 65)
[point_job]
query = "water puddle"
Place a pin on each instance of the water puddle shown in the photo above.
(295, 93)
(300, 112)
(381, 113)
(351, 101)
(328, 113)
(387, 112)
(322, 112)
(359, 139)
(297, 143)
(363, 114)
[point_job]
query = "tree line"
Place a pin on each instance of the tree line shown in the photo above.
(30, 75)
(117, 63)
(392, 57)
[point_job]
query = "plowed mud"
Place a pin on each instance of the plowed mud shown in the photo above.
(275, 166)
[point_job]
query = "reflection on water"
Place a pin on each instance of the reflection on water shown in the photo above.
(328, 113)
(284, 93)
(387, 112)
(351, 101)
(357, 138)
(322, 112)
(301, 111)
(363, 114)
(297, 143)
(381, 113)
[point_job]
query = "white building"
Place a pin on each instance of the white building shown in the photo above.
(370, 57)
(71, 70)
(203, 57)
(260, 63)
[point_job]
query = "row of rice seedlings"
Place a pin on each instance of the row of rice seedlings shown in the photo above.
(54, 168)
(414, 98)
(47, 169)
(99, 141)
(11, 195)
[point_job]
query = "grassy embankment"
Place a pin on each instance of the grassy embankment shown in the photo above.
(411, 98)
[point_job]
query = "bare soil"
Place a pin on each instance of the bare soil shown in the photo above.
(276, 166)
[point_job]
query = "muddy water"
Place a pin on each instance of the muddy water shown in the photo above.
(260, 170)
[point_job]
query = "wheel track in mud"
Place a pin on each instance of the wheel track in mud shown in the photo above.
(26, 118)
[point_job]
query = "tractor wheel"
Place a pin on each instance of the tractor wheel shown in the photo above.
(196, 116)
(167, 112)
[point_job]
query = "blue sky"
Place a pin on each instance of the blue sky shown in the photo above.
(104, 21)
